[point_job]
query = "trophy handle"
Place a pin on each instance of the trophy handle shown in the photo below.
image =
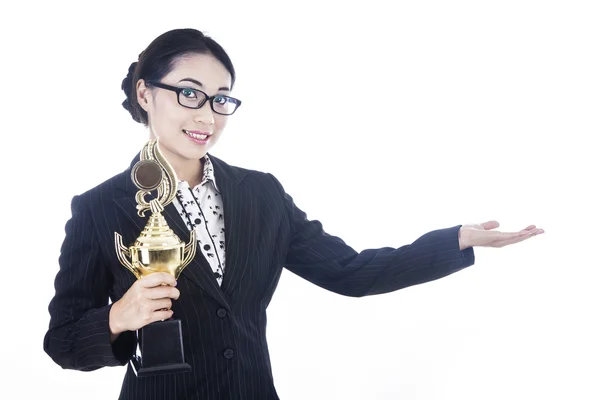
(123, 253)
(189, 253)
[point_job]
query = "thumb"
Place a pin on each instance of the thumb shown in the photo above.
(490, 225)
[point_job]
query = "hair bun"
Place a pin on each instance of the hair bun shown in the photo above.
(127, 86)
(127, 83)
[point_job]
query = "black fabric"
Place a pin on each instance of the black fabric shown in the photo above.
(224, 328)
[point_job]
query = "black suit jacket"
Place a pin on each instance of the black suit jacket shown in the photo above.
(224, 328)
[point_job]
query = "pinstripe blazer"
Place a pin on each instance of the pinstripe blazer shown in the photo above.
(224, 328)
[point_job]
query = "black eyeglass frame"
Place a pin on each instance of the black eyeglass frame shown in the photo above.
(208, 98)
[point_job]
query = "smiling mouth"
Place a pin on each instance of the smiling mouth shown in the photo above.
(196, 135)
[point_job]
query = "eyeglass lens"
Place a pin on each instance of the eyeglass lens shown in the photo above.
(221, 103)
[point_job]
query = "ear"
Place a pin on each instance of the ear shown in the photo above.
(143, 94)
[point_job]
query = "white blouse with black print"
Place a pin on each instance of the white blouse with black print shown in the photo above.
(201, 208)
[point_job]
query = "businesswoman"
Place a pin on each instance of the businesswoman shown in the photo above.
(248, 228)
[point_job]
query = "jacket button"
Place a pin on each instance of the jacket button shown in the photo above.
(228, 354)
(221, 312)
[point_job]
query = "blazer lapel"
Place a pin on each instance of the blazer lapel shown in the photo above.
(238, 244)
(199, 270)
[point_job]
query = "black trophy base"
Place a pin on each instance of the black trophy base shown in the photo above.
(160, 347)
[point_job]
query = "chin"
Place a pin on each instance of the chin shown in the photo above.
(194, 154)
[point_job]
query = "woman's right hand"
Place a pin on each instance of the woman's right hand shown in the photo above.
(147, 300)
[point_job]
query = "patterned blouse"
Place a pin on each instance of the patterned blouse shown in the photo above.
(201, 208)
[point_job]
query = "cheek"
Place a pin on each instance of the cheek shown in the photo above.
(171, 120)
(220, 123)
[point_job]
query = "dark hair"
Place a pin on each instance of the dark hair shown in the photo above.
(161, 56)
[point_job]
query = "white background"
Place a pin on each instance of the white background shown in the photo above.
(384, 120)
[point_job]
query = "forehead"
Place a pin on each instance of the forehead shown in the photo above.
(204, 68)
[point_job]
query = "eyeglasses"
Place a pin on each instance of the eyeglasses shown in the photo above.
(194, 98)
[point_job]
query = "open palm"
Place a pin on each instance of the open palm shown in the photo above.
(472, 235)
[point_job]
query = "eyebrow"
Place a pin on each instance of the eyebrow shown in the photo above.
(200, 83)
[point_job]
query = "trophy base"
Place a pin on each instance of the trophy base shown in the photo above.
(160, 346)
(141, 372)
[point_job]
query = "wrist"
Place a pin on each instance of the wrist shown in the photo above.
(113, 321)
(461, 240)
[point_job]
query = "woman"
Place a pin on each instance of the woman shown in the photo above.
(248, 229)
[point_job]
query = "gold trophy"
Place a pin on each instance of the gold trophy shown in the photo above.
(157, 249)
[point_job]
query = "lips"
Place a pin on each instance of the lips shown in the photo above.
(200, 135)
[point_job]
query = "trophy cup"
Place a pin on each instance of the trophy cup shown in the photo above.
(157, 249)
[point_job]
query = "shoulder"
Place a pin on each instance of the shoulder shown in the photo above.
(113, 187)
(246, 175)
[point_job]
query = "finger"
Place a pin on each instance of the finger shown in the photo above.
(161, 315)
(157, 278)
(161, 292)
(519, 238)
(161, 304)
(531, 230)
(516, 235)
(527, 230)
(504, 235)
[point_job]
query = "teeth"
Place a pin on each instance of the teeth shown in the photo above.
(196, 136)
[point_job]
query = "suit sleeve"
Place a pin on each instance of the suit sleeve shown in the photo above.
(78, 336)
(328, 262)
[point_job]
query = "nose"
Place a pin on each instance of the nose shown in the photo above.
(204, 114)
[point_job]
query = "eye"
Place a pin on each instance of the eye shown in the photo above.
(189, 93)
(221, 100)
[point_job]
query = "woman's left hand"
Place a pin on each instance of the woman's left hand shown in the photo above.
(482, 235)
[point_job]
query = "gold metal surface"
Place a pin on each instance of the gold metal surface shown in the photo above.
(157, 248)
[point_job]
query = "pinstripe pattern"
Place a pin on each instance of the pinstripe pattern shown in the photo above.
(264, 231)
